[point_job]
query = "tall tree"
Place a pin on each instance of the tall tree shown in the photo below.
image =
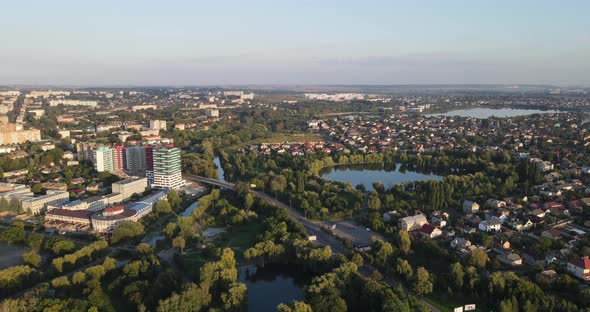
(374, 203)
(248, 201)
(300, 188)
(422, 283)
(179, 243)
(404, 269)
(404, 242)
(457, 274)
(174, 199)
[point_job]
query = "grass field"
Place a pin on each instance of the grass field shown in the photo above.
(448, 302)
(239, 238)
(192, 263)
(244, 236)
(439, 305)
(278, 138)
(194, 257)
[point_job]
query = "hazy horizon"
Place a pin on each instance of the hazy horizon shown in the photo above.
(182, 43)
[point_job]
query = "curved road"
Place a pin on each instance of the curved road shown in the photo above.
(313, 228)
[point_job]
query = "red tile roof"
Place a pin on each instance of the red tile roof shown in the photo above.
(427, 229)
(114, 209)
(583, 263)
(82, 214)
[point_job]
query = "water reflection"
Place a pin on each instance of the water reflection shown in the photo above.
(366, 174)
(271, 285)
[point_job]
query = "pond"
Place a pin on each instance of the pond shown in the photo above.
(271, 285)
(483, 113)
(367, 174)
(220, 172)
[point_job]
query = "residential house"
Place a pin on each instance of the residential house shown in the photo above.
(495, 203)
(429, 231)
(470, 206)
(503, 245)
(439, 219)
(585, 201)
(501, 216)
(460, 243)
(521, 224)
(575, 205)
(512, 259)
(550, 259)
(556, 208)
(490, 226)
(473, 220)
(533, 259)
(412, 222)
(539, 213)
(387, 216)
(552, 234)
(548, 275)
(580, 268)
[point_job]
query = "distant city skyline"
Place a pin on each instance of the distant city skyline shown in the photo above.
(153, 43)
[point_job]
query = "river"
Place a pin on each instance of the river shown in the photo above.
(220, 172)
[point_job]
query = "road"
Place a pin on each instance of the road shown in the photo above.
(313, 228)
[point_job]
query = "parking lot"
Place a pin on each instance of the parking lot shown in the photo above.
(350, 230)
(60, 226)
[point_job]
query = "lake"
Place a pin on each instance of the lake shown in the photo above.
(367, 174)
(483, 113)
(271, 285)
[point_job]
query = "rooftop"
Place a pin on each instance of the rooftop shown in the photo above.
(123, 215)
(82, 214)
(583, 263)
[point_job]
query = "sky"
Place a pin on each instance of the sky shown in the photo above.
(221, 42)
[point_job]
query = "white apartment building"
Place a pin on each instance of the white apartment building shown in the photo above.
(12, 190)
(128, 187)
(247, 96)
(46, 94)
(158, 124)
(37, 205)
(233, 93)
(412, 222)
(81, 217)
(95, 203)
(135, 160)
(9, 93)
(212, 112)
(136, 108)
(167, 168)
(107, 220)
(73, 103)
(103, 159)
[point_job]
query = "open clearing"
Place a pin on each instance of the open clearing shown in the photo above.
(10, 255)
